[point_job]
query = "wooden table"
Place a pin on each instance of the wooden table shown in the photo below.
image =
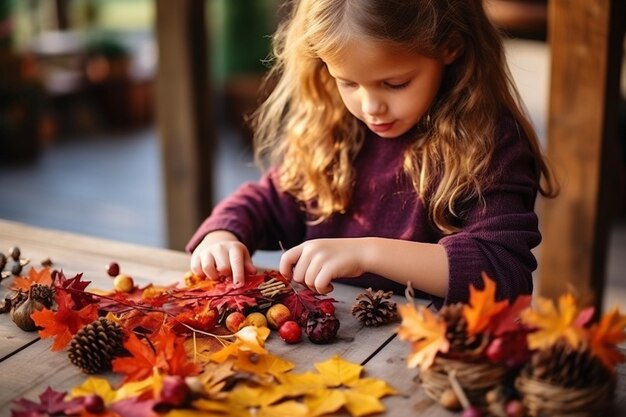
(27, 366)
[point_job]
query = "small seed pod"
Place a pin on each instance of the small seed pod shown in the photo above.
(14, 253)
(16, 269)
(3, 261)
(450, 400)
(20, 313)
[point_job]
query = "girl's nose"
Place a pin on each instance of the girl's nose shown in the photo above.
(372, 105)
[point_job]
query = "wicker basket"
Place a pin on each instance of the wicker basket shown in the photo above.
(544, 399)
(475, 378)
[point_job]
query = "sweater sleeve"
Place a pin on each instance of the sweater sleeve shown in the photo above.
(497, 237)
(259, 214)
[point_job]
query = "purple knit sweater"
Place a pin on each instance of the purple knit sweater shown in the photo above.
(496, 238)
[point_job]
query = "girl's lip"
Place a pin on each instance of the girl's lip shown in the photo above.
(381, 127)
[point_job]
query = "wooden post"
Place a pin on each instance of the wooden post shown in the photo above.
(184, 116)
(585, 38)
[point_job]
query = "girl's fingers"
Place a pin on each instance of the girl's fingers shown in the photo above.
(288, 261)
(195, 265)
(237, 266)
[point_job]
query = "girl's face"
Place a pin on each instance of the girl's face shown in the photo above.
(388, 89)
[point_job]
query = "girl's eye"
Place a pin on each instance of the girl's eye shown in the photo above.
(346, 84)
(395, 86)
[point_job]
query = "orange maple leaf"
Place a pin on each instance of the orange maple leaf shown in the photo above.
(64, 323)
(23, 283)
(427, 333)
(605, 336)
(168, 355)
(139, 364)
(482, 306)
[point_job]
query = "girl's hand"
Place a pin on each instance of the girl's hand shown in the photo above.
(315, 263)
(221, 254)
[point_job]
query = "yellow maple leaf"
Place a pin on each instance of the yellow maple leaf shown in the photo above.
(482, 306)
(262, 365)
(426, 332)
(552, 324)
(336, 371)
(95, 385)
(360, 404)
(605, 336)
(324, 401)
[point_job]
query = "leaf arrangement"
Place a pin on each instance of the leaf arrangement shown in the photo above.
(486, 323)
(178, 360)
(500, 323)
(556, 344)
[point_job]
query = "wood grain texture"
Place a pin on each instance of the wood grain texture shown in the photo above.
(585, 38)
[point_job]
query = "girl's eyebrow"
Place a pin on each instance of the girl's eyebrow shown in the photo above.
(407, 74)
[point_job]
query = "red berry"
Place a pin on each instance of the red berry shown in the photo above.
(290, 332)
(495, 351)
(327, 307)
(472, 411)
(175, 390)
(93, 403)
(514, 408)
(113, 269)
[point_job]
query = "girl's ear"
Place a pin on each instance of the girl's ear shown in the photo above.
(453, 49)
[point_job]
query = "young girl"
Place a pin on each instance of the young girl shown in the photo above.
(399, 154)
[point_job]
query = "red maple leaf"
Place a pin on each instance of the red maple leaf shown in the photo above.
(142, 321)
(64, 323)
(302, 300)
(75, 287)
(51, 402)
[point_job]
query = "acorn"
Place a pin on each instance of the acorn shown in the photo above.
(20, 313)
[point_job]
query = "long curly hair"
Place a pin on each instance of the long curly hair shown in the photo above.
(305, 130)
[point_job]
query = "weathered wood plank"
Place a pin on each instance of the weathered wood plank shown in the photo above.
(184, 116)
(586, 45)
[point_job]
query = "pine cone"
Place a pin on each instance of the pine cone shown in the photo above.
(456, 329)
(43, 293)
(375, 308)
(93, 348)
(566, 366)
(321, 328)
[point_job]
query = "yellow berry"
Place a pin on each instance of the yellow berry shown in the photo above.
(255, 319)
(123, 283)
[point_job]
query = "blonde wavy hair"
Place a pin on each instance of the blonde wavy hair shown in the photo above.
(304, 129)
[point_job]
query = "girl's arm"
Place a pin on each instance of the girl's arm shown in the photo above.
(316, 263)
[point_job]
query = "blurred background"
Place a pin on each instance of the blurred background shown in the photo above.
(79, 132)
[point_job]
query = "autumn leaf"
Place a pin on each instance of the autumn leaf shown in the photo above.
(51, 402)
(552, 324)
(300, 300)
(508, 319)
(606, 335)
(169, 355)
(427, 333)
(262, 365)
(75, 286)
(64, 323)
(248, 339)
(337, 371)
(172, 356)
(482, 306)
(139, 364)
(23, 283)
